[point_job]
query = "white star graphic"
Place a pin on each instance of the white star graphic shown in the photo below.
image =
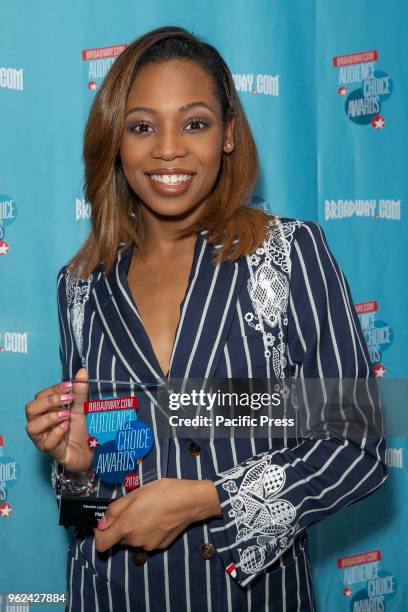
(4, 247)
(379, 123)
(380, 372)
(5, 510)
(93, 443)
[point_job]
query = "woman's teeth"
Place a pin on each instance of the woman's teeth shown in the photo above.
(171, 179)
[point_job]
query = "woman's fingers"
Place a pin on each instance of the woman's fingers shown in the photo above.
(108, 537)
(50, 439)
(59, 389)
(42, 423)
(46, 403)
(53, 439)
(80, 390)
(48, 419)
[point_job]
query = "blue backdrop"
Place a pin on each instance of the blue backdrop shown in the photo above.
(322, 84)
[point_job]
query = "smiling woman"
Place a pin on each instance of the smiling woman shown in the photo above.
(169, 105)
(181, 279)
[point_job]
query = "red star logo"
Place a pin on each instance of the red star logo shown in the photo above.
(342, 91)
(379, 371)
(5, 510)
(92, 85)
(93, 442)
(347, 591)
(378, 122)
(4, 247)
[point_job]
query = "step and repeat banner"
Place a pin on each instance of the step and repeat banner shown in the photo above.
(322, 84)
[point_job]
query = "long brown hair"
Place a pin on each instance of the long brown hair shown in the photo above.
(116, 214)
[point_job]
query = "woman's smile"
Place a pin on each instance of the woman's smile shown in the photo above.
(170, 182)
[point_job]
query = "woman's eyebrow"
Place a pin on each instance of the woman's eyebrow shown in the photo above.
(186, 107)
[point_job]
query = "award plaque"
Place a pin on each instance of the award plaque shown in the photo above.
(110, 446)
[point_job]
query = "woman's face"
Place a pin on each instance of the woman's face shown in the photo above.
(174, 138)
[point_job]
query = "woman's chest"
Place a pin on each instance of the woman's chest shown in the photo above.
(250, 347)
(231, 322)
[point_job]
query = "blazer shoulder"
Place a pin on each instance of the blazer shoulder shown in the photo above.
(72, 287)
(280, 234)
(66, 273)
(284, 231)
(278, 249)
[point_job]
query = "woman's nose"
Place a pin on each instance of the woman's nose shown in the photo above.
(169, 144)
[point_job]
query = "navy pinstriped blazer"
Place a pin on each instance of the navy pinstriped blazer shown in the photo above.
(284, 311)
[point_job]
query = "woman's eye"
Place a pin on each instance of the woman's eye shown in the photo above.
(196, 121)
(135, 127)
(142, 128)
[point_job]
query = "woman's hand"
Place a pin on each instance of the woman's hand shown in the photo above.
(48, 420)
(154, 515)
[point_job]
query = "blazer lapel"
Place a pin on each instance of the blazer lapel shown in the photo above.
(206, 314)
(122, 324)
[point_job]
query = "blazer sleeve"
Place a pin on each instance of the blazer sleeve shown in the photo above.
(323, 473)
(69, 357)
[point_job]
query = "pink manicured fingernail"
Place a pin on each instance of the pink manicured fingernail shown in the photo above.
(102, 522)
(64, 413)
(66, 398)
(66, 385)
(64, 424)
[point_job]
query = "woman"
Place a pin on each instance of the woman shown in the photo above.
(179, 278)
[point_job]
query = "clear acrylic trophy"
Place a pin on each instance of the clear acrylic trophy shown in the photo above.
(111, 442)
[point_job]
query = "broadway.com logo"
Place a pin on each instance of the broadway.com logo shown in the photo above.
(376, 209)
(12, 78)
(265, 84)
(82, 209)
(366, 585)
(13, 342)
(97, 63)
(378, 334)
(364, 87)
(8, 214)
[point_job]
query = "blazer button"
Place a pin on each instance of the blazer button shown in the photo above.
(139, 557)
(193, 448)
(207, 551)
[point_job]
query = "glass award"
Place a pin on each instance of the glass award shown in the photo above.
(111, 446)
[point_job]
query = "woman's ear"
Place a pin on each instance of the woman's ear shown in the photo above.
(229, 136)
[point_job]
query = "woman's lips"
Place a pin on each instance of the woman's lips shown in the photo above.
(170, 190)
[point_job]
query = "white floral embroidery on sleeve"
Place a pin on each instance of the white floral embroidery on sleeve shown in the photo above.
(77, 295)
(259, 512)
(268, 290)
